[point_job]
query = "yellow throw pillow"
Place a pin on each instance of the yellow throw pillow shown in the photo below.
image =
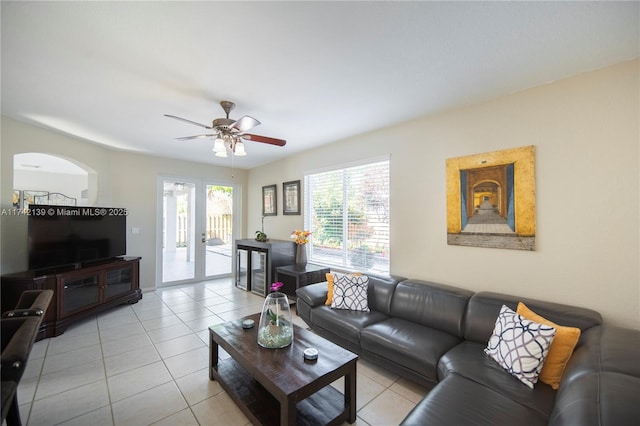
(329, 278)
(561, 348)
(329, 289)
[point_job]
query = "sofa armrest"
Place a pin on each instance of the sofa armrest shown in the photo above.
(16, 350)
(313, 294)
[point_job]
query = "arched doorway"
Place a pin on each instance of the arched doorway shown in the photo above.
(40, 178)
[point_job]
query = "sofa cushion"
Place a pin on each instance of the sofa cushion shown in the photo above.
(459, 401)
(603, 399)
(435, 305)
(347, 325)
(469, 360)
(412, 345)
(483, 308)
(350, 292)
(561, 348)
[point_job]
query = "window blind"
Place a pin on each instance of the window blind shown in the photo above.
(347, 211)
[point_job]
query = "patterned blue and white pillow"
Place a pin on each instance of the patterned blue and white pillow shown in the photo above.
(350, 292)
(520, 346)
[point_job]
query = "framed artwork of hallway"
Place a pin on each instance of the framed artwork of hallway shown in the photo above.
(491, 199)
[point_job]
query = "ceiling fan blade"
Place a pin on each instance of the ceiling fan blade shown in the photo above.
(186, 138)
(264, 139)
(188, 121)
(244, 123)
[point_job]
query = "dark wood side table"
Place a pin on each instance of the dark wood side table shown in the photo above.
(293, 277)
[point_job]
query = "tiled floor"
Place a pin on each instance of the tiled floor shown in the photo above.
(147, 363)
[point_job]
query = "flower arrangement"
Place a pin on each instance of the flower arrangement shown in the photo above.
(276, 286)
(300, 237)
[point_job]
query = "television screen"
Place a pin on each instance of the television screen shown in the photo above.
(65, 235)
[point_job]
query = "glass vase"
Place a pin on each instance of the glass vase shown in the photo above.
(275, 329)
(301, 255)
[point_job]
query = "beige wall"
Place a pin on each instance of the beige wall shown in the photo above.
(586, 133)
(123, 180)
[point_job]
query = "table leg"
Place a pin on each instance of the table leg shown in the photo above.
(288, 412)
(350, 392)
(213, 356)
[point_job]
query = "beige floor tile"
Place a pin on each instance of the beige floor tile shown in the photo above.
(149, 406)
(39, 349)
(69, 405)
(157, 311)
(204, 323)
(168, 333)
(126, 384)
(386, 409)
(117, 317)
(185, 306)
(188, 362)
(117, 333)
(181, 418)
(83, 326)
(69, 359)
(412, 391)
(179, 345)
(196, 313)
(131, 360)
(366, 389)
(219, 410)
(197, 387)
(161, 322)
(70, 378)
(99, 417)
(33, 368)
(69, 342)
(384, 377)
(125, 344)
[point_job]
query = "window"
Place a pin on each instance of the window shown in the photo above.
(347, 211)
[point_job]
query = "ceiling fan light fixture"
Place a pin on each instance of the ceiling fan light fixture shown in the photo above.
(238, 149)
(222, 154)
(218, 146)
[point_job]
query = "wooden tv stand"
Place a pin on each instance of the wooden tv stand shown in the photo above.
(77, 292)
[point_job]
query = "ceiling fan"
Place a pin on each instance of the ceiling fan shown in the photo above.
(229, 133)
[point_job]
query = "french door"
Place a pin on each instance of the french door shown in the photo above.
(196, 230)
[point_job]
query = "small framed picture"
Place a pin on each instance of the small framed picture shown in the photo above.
(291, 196)
(269, 200)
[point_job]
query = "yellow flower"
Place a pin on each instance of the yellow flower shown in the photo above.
(300, 237)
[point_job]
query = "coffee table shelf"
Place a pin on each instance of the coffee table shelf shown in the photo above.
(323, 407)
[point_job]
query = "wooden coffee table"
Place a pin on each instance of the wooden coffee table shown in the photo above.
(278, 386)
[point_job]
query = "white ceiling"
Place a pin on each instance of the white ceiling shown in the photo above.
(311, 72)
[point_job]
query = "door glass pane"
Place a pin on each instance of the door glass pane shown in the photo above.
(178, 233)
(219, 231)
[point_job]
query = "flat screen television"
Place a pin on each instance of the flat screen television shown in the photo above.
(73, 235)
